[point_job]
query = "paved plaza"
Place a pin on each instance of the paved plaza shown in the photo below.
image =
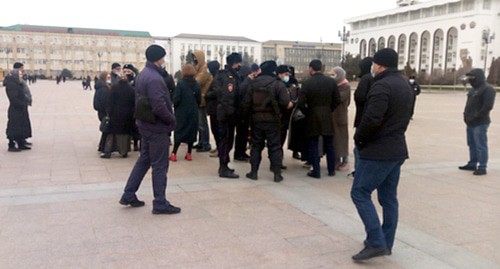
(59, 202)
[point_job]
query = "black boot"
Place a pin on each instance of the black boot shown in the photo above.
(277, 175)
(224, 171)
(252, 175)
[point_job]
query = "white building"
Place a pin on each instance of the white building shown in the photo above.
(215, 48)
(438, 35)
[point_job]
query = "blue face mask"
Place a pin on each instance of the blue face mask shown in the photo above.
(286, 79)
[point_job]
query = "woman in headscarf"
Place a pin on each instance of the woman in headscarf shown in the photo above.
(18, 123)
(340, 130)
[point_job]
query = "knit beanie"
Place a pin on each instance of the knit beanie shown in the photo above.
(386, 58)
(155, 53)
(268, 68)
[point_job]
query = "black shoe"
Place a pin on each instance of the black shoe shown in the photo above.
(24, 148)
(370, 252)
(133, 203)
(136, 148)
(204, 149)
(227, 173)
(479, 172)
(468, 167)
(313, 174)
(278, 177)
(13, 149)
(125, 155)
(331, 174)
(241, 159)
(170, 209)
(252, 175)
(283, 167)
(105, 155)
(197, 146)
(28, 143)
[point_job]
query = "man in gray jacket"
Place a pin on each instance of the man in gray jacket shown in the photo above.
(155, 140)
(480, 101)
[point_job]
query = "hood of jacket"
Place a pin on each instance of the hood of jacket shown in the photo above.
(200, 56)
(365, 66)
(479, 77)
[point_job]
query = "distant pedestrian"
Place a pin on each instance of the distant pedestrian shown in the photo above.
(380, 139)
(187, 98)
(416, 91)
(155, 139)
(480, 101)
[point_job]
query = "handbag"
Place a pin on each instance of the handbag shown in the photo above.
(297, 114)
(105, 124)
(143, 110)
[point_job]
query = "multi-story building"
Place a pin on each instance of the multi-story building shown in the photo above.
(435, 36)
(215, 48)
(47, 50)
(299, 54)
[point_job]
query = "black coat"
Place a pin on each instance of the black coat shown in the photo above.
(187, 98)
(318, 98)
(120, 108)
(101, 97)
(381, 133)
(18, 124)
(480, 101)
(360, 96)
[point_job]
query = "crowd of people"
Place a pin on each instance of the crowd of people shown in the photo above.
(264, 106)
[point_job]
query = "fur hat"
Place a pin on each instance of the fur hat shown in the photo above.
(268, 67)
(386, 57)
(282, 69)
(18, 65)
(155, 53)
(233, 58)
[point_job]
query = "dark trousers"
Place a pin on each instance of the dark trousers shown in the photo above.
(203, 132)
(263, 132)
(382, 176)
(214, 128)
(241, 139)
(154, 154)
(226, 136)
(314, 157)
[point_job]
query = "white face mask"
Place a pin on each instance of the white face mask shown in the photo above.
(373, 72)
(108, 81)
(412, 81)
(286, 79)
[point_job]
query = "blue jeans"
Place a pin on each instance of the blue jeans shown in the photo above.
(203, 132)
(478, 145)
(155, 154)
(382, 176)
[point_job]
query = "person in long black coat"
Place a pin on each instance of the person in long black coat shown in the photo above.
(120, 108)
(187, 98)
(101, 96)
(18, 124)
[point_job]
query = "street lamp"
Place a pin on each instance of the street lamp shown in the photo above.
(344, 36)
(487, 38)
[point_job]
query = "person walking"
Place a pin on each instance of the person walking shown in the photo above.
(266, 97)
(155, 139)
(318, 98)
(480, 101)
(18, 121)
(340, 120)
(187, 98)
(380, 139)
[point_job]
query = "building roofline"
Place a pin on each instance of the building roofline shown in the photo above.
(75, 30)
(215, 37)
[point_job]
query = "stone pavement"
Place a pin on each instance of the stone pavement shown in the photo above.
(59, 202)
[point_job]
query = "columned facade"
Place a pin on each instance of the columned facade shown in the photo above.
(439, 36)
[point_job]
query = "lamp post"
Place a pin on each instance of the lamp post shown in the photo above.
(99, 54)
(487, 38)
(344, 36)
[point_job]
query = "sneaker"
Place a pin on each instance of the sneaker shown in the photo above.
(370, 252)
(188, 157)
(133, 203)
(173, 157)
(479, 172)
(170, 209)
(468, 167)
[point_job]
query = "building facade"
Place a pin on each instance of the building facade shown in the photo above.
(434, 37)
(47, 50)
(215, 48)
(299, 54)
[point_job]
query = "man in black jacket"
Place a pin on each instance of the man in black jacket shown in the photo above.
(380, 139)
(480, 101)
(264, 100)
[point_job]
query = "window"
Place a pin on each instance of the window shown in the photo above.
(487, 4)
(454, 7)
(402, 17)
(469, 4)
(440, 10)
(415, 15)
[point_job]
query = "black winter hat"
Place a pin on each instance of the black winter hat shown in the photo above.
(234, 58)
(282, 69)
(18, 65)
(268, 67)
(115, 65)
(155, 53)
(365, 66)
(254, 67)
(386, 57)
(213, 67)
(131, 67)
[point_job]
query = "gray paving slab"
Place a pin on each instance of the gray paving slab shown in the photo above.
(58, 202)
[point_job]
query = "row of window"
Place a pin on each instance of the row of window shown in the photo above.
(20, 39)
(450, 8)
(216, 48)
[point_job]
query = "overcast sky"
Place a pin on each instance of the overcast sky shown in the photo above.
(260, 20)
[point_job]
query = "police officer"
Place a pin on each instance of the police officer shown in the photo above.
(227, 88)
(264, 100)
